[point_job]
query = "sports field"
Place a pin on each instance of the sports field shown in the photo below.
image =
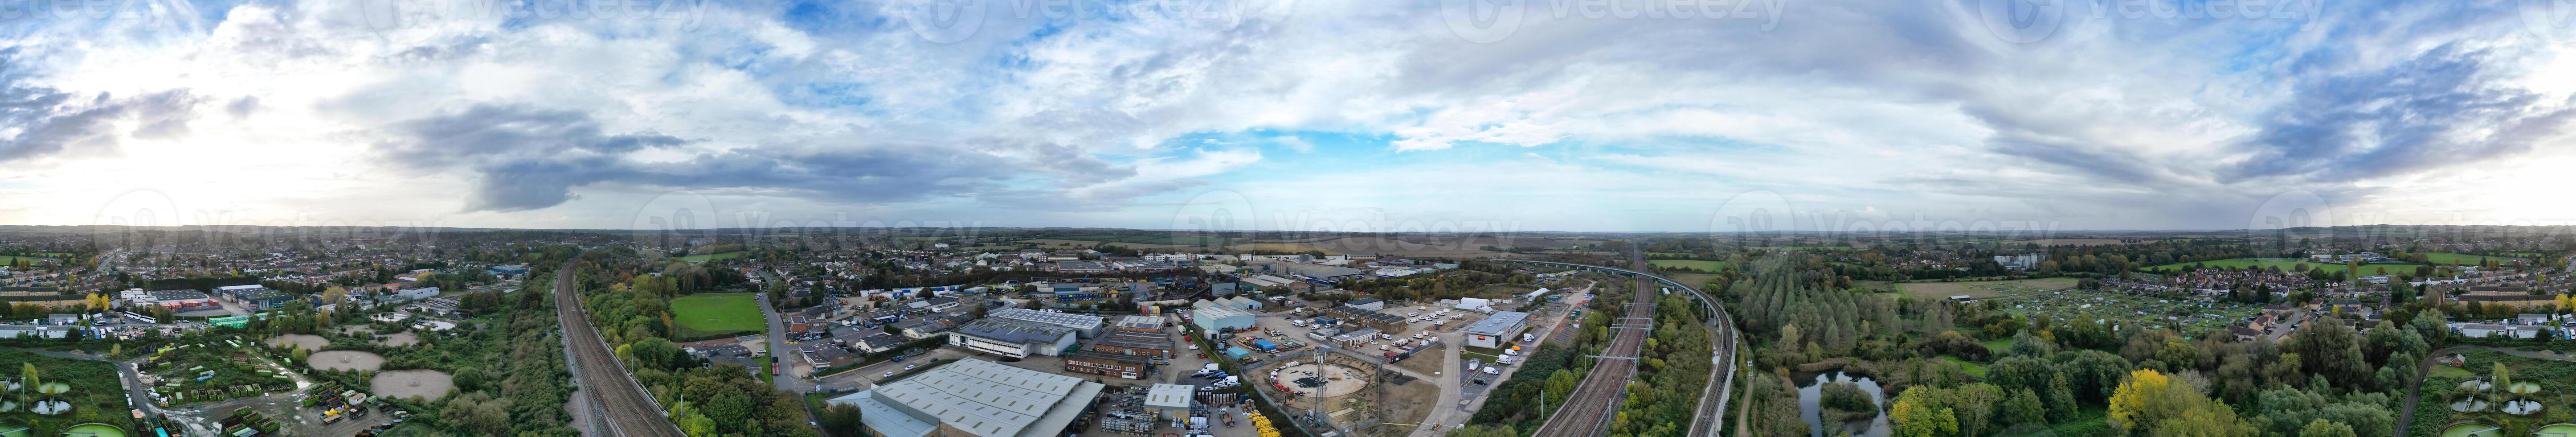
(718, 312)
(1705, 266)
(1985, 289)
(714, 256)
(2288, 265)
(2462, 258)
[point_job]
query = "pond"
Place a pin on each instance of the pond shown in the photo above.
(1810, 394)
(94, 430)
(2473, 430)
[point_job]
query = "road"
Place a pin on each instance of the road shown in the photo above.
(1451, 411)
(788, 379)
(622, 403)
(2281, 329)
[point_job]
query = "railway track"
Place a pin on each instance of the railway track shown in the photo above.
(1587, 412)
(1596, 399)
(611, 392)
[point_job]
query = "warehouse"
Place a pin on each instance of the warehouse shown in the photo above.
(1013, 337)
(1084, 326)
(172, 299)
(1381, 321)
(1371, 304)
(1496, 330)
(976, 398)
(1094, 363)
(1157, 345)
(1146, 324)
(1221, 319)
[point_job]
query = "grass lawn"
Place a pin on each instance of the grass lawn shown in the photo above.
(1997, 346)
(718, 312)
(7, 259)
(713, 256)
(1705, 266)
(2287, 264)
(1973, 368)
(2462, 258)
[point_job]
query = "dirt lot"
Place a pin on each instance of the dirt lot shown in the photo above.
(1984, 289)
(400, 339)
(406, 384)
(307, 342)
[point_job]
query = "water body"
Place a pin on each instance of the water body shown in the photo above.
(1811, 393)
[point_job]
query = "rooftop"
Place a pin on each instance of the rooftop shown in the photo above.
(1067, 319)
(1498, 323)
(985, 399)
(1014, 330)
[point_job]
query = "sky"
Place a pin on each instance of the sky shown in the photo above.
(1303, 115)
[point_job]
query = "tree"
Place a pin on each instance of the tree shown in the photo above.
(2323, 428)
(1916, 415)
(843, 420)
(2025, 409)
(2061, 394)
(2150, 403)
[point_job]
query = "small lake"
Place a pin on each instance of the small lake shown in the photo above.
(1810, 394)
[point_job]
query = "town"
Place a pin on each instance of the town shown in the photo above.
(1027, 332)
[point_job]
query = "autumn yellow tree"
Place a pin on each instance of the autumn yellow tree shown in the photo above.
(2149, 403)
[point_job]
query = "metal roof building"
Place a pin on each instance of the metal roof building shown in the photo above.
(1217, 318)
(1169, 400)
(1013, 338)
(1493, 329)
(1086, 326)
(972, 397)
(1141, 323)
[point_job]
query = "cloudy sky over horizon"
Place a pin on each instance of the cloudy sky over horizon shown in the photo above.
(1506, 115)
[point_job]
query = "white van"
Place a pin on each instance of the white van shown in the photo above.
(1491, 370)
(1506, 359)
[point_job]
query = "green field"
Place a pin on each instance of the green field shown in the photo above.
(718, 312)
(2287, 265)
(2462, 258)
(1705, 266)
(9, 259)
(713, 256)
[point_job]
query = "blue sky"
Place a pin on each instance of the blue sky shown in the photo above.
(1536, 115)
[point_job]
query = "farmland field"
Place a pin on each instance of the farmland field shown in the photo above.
(713, 256)
(8, 259)
(718, 312)
(1705, 266)
(1985, 289)
(2287, 264)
